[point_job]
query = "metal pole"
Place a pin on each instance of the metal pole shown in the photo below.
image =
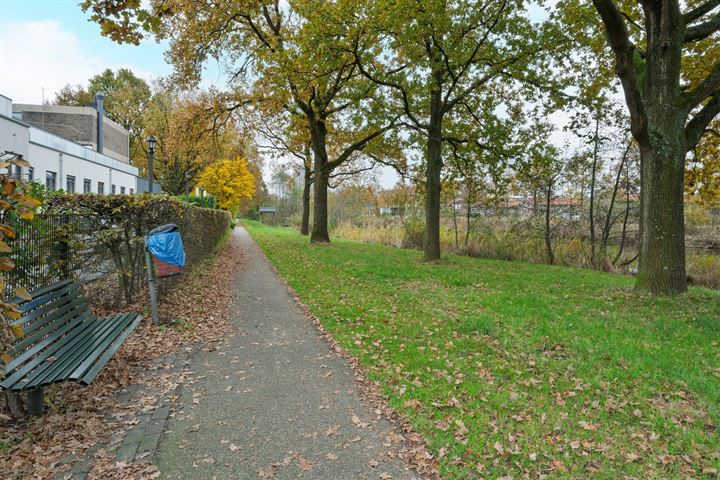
(151, 155)
(187, 187)
(152, 284)
(36, 401)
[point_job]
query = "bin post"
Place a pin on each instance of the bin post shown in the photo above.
(152, 284)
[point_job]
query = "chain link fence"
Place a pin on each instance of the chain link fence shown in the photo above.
(53, 247)
(105, 253)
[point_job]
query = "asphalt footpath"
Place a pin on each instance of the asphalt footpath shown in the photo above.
(273, 400)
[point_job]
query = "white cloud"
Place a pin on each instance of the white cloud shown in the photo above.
(37, 55)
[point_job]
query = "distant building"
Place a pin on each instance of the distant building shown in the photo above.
(394, 211)
(79, 125)
(76, 149)
(265, 212)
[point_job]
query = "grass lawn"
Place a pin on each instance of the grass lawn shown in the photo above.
(516, 369)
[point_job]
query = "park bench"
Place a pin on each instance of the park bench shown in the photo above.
(62, 341)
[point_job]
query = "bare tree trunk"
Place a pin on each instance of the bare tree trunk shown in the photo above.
(593, 175)
(468, 212)
(548, 238)
(454, 217)
(305, 224)
(608, 217)
(320, 183)
(627, 214)
(661, 267)
(431, 247)
(659, 120)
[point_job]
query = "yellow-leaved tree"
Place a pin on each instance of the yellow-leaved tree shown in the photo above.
(230, 181)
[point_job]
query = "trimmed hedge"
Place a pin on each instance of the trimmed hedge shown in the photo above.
(208, 201)
(113, 227)
(201, 229)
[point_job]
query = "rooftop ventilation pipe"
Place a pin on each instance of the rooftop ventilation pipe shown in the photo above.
(99, 97)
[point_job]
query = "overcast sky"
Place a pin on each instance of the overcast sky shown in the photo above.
(46, 44)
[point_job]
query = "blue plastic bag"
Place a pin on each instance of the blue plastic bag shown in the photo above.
(166, 245)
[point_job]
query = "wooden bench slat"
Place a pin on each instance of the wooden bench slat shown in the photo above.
(119, 322)
(87, 370)
(34, 319)
(50, 347)
(66, 314)
(25, 305)
(72, 352)
(38, 295)
(92, 373)
(50, 338)
(58, 326)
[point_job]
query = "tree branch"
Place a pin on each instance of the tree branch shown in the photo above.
(695, 128)
(701, 10)
(449, 105)
(705, 89)
(624, 50)
(394, 165)
(631, 21)
(394, 85)
(703, 30)
(359, 145)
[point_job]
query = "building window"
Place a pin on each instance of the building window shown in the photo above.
(112, 189)
(132, 191)
(101, 188)
(31, 174)
(18, 172)
(87, 186)
(70, 184)
(122, 190)
(50, 181)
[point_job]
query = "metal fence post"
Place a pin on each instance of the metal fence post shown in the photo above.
(152, 284)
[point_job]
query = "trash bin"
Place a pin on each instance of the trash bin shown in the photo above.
(166, 247)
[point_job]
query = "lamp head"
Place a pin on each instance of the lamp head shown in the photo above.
(151, 141)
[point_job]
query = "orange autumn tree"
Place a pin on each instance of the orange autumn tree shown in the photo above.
(230, 182)
(189, 135)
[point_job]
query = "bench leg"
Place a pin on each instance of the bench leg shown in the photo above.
(14, 403)
(36, 401)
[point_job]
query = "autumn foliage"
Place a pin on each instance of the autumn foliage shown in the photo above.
(15, 205)
(230, 182)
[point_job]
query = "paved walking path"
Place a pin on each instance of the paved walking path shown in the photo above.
(273, 400)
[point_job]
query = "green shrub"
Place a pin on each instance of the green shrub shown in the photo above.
(252, 214)
(207, 201)
(704, 269)
(414, 231)
(490, 238)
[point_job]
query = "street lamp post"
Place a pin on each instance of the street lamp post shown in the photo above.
(187, 186)
(151, 157)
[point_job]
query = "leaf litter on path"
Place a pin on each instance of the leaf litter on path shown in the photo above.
(196, 310)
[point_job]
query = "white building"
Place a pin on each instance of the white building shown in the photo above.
(59, 163)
